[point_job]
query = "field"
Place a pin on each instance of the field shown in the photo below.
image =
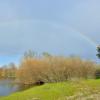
(72, 90)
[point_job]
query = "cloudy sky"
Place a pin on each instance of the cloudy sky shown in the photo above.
(61, 27)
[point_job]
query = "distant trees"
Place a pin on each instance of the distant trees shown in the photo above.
(0, 73)
(29, 54)
(8, 71)
(12, 70)
(46, 54)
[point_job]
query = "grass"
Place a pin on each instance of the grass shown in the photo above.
(59, 91)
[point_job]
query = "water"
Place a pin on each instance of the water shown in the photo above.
(8, 87)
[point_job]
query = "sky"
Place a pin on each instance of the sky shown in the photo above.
(60, 27)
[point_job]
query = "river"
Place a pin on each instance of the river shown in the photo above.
(8, 87)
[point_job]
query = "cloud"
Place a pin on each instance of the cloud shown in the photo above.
(41, 35)
(50, 27)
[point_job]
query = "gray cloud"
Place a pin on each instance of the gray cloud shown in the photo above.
(50, 28)
(40, 36)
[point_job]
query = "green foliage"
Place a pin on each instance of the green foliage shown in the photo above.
(46, 54)
(98, 50)
(29, 54)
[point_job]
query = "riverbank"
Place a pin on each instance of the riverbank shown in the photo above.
(60, 91)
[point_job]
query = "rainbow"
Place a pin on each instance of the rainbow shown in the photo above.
(90, 40)
(84, 36)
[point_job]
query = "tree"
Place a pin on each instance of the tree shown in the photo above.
(12, 69)
(29, 55)
(1, 72)
(97, 74)
(98, 50)
(46, 54)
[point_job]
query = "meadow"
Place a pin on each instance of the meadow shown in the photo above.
(71, 90)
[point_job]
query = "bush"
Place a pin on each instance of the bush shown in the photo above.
(54, 69)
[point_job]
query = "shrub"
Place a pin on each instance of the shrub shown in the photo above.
(54, 69)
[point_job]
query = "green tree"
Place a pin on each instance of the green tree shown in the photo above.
(29, 54)
(46, 54)
(98, 50)
(97, 74)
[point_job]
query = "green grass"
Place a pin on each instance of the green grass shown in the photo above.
(57, 91)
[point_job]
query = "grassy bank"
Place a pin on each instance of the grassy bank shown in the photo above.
(60, 91)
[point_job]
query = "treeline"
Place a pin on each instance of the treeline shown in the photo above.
(8, 71)
(48, 68)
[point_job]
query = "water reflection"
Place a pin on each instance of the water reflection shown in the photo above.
(8, 86)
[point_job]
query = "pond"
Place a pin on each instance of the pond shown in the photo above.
(8, 87)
